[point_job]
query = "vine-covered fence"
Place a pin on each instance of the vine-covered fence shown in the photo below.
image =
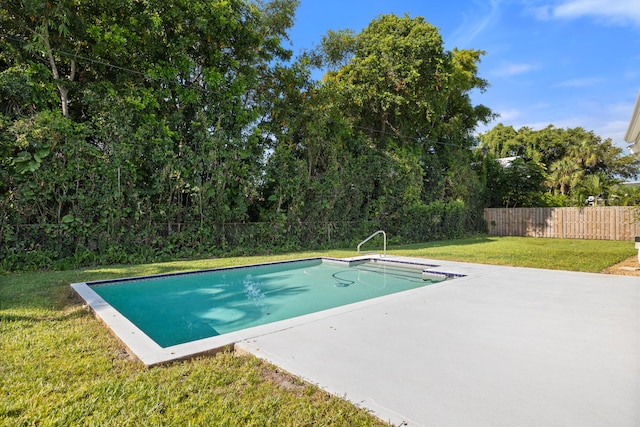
(73, 243)
(597, 223)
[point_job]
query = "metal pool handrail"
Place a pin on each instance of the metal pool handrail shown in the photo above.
(384, 235)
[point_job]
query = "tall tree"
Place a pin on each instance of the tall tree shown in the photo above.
(501, 141)
(400, 84)
(408, 97)
(49, 33)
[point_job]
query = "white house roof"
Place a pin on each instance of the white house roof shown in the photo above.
(633, 131)
(506, 161)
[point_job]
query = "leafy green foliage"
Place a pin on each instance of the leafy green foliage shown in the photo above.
(519, 183)
(400, 87)
(138, 131)
(395, 107)
(575, 166)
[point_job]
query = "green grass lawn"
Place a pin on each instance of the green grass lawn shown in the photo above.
(59, 366)
(555, 254)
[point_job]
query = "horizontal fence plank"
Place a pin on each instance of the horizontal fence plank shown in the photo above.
(595, 223)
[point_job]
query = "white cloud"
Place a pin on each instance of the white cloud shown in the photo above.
(479, 21)
(512, 69)
(610, 11)
(542, 13)
(622, 109)
(580, 82)
(509, 115)
(542, 106)
(614, 129)
(506, 116)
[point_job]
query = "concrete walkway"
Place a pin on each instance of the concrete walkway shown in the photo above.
(500, 347)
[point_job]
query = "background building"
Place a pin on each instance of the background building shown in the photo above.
(633, 131)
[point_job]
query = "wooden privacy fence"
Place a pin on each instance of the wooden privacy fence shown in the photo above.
(598, 223)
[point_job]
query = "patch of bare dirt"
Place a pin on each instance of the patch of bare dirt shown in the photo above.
(628, 267)
(285, 380)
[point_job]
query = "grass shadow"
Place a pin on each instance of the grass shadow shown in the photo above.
(40, 316)
(444, 243)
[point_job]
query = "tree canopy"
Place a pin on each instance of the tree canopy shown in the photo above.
(120, 115)
(571, 165)
(399, 84)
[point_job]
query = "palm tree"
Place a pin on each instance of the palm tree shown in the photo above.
(627, 195)
(584, 153)
(564, 174)
(591, 185)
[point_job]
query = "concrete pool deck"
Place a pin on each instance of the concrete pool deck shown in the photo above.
(501, 347)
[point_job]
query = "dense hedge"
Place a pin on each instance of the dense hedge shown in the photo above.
(69, 245)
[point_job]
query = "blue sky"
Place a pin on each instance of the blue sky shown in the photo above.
(568, 63)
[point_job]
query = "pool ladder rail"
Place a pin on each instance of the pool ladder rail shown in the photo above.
(384, 247)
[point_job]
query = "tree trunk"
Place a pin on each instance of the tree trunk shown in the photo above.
(64, 92)
(64, 99)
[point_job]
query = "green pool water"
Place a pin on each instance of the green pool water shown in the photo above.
(181, 308)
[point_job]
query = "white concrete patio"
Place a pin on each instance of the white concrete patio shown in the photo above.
(500, 347)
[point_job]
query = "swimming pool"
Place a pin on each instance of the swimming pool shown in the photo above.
(174, 310)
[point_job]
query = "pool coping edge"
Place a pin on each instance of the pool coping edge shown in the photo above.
(141, 347)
